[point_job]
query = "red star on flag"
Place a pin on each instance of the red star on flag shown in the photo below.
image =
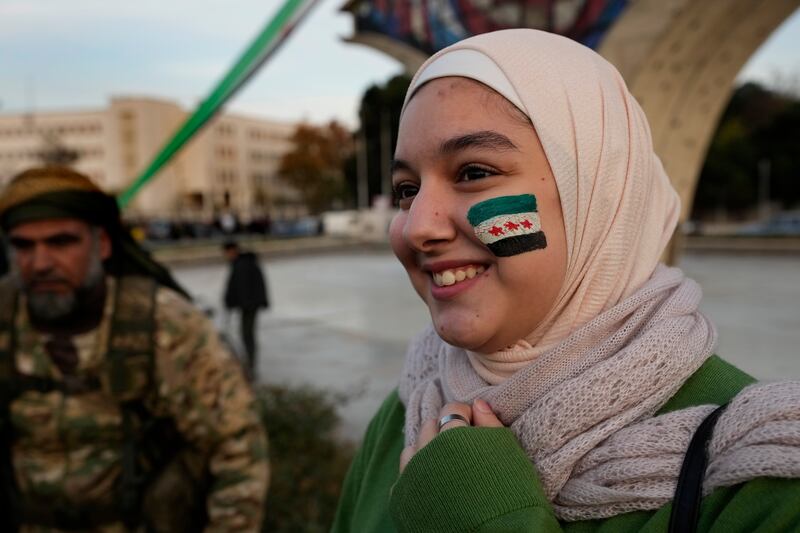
(496, 231)
(526, 224)
(511, 225)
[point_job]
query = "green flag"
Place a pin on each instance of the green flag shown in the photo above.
(261, 49)
(508, 225)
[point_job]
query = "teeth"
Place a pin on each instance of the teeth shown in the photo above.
(446, 278)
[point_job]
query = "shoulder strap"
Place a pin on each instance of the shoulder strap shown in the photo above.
(689, 490)
(129, 375)
(131, 343)
(8, 310)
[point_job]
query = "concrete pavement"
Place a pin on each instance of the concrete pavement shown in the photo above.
(341, 320)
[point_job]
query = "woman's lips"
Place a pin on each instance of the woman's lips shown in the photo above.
(448, 280)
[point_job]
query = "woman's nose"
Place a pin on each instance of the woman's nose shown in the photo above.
(430, 221)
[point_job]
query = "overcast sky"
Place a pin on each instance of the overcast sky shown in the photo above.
(68, 54)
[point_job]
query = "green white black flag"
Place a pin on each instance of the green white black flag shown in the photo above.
(508, 225)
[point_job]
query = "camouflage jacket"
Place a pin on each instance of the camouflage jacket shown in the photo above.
(68, 447)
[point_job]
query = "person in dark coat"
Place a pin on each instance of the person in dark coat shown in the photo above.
(246, 290)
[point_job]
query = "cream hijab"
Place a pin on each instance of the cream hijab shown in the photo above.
(619, 207)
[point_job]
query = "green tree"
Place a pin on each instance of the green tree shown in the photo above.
(759, 125)
(315, 165)
(729, 174)
(379, 114)
(779, 143)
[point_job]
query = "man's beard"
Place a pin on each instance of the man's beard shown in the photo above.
(55, 307)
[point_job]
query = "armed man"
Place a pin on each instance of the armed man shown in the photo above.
(120, 409)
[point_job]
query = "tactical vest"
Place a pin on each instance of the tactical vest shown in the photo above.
(149, 444)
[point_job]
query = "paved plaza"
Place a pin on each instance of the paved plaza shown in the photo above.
(341, 321)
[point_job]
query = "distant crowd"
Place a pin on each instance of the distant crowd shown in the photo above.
(162, 229)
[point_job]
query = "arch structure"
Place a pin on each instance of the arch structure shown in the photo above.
(679, 57)
(411, 30)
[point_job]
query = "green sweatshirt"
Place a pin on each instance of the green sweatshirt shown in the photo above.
(479, 479)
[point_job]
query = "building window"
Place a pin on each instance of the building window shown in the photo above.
(225, 129)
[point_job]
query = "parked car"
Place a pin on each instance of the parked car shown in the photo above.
(301, 227)
(158, 230)
(783, 224)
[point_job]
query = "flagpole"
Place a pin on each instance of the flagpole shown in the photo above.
(260, 50)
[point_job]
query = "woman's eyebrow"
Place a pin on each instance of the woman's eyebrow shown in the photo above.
(485, 139)
(479, 139)
(398, 165)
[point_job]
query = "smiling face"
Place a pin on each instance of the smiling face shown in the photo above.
(459, 144)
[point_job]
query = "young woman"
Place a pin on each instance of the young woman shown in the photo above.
(566, 371)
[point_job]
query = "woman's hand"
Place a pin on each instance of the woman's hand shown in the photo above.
(478, 415)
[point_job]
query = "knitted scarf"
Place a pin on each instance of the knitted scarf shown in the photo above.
(583, 411)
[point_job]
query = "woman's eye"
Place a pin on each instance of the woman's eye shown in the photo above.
(471, 173)
(404, 191)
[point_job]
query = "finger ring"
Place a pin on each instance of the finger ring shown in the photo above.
(449, 418)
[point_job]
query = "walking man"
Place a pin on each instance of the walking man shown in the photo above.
(246, 291)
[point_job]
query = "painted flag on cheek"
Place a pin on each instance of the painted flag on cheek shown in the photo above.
(508, 225)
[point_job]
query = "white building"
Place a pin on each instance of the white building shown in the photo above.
(229, 166)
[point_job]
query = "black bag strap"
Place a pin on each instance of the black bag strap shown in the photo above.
(8, 498)
(689, 491)
(8, 311)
